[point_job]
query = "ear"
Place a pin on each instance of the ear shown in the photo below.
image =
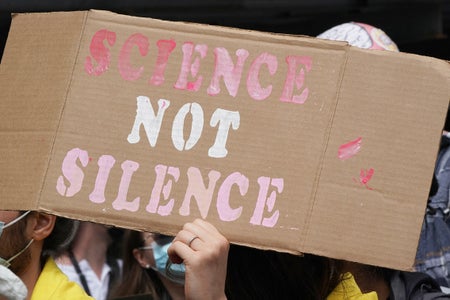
(141, 258)
(42, 226)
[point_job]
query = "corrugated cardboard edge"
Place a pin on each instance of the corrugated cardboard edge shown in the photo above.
(325, 144)
(75, 55)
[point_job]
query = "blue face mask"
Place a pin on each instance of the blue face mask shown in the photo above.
(174, 272)
(7, 262)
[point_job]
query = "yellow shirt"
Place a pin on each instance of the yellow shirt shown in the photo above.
(348, 289)
(52, 284)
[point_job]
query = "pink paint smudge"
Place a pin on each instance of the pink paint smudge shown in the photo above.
(365, 176)
(349, 149)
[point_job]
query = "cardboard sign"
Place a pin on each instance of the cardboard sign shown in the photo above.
(283, 142)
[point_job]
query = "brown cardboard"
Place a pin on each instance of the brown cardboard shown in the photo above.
(333, 156)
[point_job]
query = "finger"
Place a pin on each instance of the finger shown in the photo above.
(189, 238)
(197, 229)
(207, 226)
(179, 251)
(209, 232)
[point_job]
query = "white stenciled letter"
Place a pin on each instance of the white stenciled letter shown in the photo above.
(225, 119)
(196, 128)
(145, 116)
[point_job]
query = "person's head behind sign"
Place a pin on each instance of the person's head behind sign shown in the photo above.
(360, 35)
(27, 243)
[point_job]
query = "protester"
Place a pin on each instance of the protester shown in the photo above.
(144, 268)
(88, 260)
(27, 243)
(265, 274)
(394, 284)
(262, 274)
(204, 252)
(433, 254)
(360, 35)
(250, 273)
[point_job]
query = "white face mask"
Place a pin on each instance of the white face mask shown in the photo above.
(7, 262)
(11, 287)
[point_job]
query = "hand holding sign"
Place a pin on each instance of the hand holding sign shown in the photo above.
(204, 252)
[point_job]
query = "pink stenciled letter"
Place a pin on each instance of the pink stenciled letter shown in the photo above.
(99, 52)
(190, 68)
(126, 70)
(225, 68)
(159, 187)
(165, 47)
(121, 203)
(72, 172)
(226, 213)
(253, 86)
(105, 164)
(263, 200)
(197, 189)
(294, 80)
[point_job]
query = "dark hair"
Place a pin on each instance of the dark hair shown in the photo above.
(135, 279)
(264, 274)
(60, 238)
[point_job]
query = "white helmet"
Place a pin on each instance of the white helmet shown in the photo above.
(360, 35)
